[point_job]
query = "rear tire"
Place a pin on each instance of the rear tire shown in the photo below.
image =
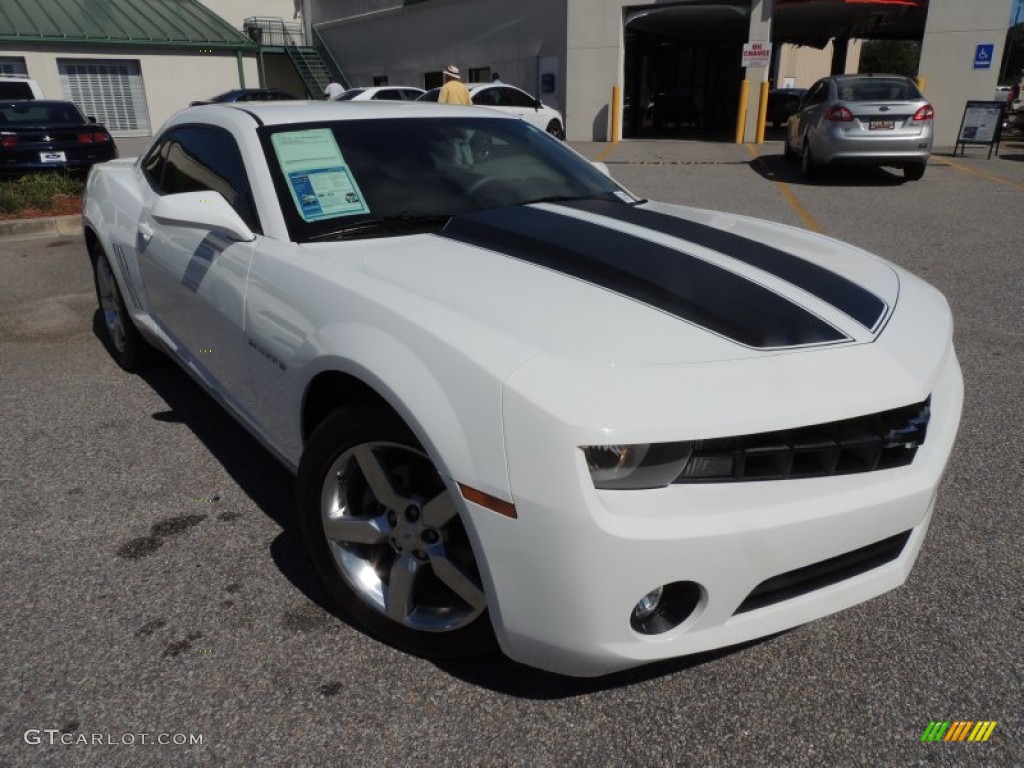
(387, 539)
(121, 337)
(807, 168)
(913, 171)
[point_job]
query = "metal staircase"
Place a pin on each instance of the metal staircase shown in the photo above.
(276, 35)
(311, 68)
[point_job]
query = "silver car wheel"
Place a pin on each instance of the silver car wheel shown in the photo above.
(396, 537)
(110, 303)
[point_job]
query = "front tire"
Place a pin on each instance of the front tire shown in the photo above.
(122, 338)
(787, 151)
(386, 537)
(555, 129)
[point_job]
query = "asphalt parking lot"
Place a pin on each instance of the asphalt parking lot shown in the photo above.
(154, 588)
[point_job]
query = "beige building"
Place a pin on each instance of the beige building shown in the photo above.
(133, 64)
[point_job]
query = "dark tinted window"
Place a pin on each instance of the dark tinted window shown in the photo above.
(410, 94)
(15, 91)
(199, 158)
(350, 94)
(388, 95)
(489, 97)
(513, 97)
(817, 94)
(41, 113)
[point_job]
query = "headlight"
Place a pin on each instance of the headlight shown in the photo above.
(633, 467)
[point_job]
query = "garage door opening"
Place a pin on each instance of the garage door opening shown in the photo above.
(682, 70)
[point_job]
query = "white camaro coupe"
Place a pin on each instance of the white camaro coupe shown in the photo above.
(522, 404)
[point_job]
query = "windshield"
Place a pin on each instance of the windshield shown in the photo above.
(343, 175)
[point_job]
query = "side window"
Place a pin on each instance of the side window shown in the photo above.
(153, 165)
(197, 158)
(818, 93)
(512, 97)
(410, 95)
(389, 95)
(488, 97)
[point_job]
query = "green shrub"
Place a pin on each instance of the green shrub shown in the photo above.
(38, 190)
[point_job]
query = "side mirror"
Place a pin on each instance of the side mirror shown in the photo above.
(203, 210)
(537, 105)
(90, 119)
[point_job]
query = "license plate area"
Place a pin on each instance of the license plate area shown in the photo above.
(881, 124)
(52, 157)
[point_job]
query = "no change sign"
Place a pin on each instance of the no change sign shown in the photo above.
(756, 54)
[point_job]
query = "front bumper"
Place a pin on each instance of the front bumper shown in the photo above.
(563, 578)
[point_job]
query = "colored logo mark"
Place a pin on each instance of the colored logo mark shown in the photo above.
(959, 730)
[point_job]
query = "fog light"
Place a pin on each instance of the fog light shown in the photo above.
(648, 604)
(666, 607)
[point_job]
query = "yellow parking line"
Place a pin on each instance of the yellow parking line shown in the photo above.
(809, 221)
(980, 174)
(605, 152)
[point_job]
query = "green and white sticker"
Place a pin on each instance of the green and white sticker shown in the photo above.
(319, 179)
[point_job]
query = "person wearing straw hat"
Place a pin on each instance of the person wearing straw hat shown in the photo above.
(453, 91)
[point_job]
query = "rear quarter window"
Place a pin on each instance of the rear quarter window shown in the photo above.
(15, 91)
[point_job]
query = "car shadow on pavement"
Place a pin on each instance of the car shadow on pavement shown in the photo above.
(502, 675)
(777, 168)
(271, 488)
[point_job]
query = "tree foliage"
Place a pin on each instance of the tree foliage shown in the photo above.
(891, 57)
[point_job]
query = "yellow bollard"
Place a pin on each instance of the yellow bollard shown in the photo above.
(616, 113)
(741, 118)
(762, 112)
(922, 82)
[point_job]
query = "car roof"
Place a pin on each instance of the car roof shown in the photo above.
(285, 112)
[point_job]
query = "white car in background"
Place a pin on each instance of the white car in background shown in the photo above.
(512, 101)
(382, 93)
(521, 403)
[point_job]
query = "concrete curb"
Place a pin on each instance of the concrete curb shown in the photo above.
(19, 229)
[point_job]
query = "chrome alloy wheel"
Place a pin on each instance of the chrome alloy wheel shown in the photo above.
(110, 303)
(395, 536)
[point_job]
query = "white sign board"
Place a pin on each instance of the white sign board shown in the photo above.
(756, 54)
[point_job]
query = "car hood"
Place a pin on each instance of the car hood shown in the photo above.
(613, 284)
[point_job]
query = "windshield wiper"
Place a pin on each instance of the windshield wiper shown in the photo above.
(400, 223)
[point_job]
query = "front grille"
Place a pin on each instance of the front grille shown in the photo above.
(811, 577)
(862, 444)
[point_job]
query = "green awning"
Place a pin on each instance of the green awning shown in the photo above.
(147, 23)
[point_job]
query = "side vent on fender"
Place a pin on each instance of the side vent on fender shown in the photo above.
(126, 276)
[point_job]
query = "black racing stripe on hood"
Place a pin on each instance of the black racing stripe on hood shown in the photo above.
(687, 287)
(846, 296)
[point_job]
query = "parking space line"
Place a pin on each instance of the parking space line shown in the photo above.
(809, 221)
(606, 152)
(981, 174)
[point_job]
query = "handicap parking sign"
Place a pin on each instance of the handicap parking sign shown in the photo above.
(983, 55)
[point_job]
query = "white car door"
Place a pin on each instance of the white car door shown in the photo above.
(195, 277)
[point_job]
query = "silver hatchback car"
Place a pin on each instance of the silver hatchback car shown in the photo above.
(867, 119)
